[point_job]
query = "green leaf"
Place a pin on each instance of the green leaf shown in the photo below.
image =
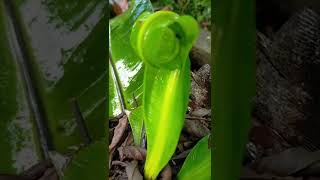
(233, 84)
(136, 122)
(198, 162)
(19, 145)
(67, 58)
(127, 65)
(163, 41)
(165, 105)
(89, 163)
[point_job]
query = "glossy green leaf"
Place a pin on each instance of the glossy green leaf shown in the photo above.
(163, 41)
(63, 50)
(136, 122)
(233, 84)
(89, 163)
(128, 66)
(198, 162)
(65, 44)
(19, 145)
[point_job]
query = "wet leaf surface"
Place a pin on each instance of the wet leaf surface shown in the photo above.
(127, 65)
(63, 41)
(59, 49)
(19, 143)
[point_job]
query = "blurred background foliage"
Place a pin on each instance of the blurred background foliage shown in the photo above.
(200, 9)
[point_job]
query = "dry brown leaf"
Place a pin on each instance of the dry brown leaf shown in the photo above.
(119, 6)
(202, 112)
(166, 173)
(289, 162)
(119, 163)
(118, 132)
(132, 152)
(196, 128)
(188, 144)
(182, 155)
(110, 158)
(200, 87)
(133, 172)
(129, 140)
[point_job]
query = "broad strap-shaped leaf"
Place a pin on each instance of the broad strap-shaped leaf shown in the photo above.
(166, 98)
(89, 163)
(162, 40)
(233, 84)
(19, 145)
(198, 162)
(66, 56)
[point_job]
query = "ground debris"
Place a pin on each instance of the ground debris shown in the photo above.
(133, 172)
(196, 128)
(200, 88)
(118, 136)
(132, 152)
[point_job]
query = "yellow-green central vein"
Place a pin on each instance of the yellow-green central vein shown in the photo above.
(171, 85)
